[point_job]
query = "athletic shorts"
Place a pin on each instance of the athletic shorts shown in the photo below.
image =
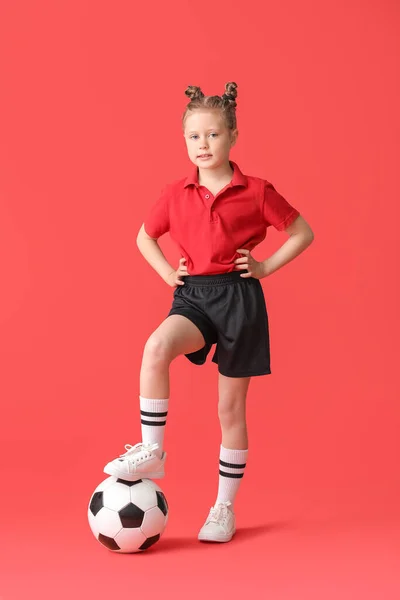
(230, 311)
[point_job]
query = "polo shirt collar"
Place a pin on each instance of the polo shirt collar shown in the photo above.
(237, 179)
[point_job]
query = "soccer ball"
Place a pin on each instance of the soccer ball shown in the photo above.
(127, 516)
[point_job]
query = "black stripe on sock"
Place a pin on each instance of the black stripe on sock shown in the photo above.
(153, 423)
(153, 414)
(233, 475)
(231, 465)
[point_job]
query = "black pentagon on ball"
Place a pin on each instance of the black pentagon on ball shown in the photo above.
(131, 515)
(128, 483)
(108, 542)
(162, 503)
(149, 542)
(96, 503)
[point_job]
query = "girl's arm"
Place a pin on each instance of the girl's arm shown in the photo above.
(301, 236)
(152, 252)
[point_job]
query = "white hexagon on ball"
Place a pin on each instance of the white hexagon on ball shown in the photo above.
(108, 522)
(153, 522)
(130, 540)
(139, 495)
(116, 496)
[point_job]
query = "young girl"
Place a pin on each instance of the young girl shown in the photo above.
(216, 215)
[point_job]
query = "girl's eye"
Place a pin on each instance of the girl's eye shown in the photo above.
(194, 136)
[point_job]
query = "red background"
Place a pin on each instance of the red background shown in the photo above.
(91, 102)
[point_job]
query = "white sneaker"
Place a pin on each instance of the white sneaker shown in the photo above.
(220, 524)
(138, 462)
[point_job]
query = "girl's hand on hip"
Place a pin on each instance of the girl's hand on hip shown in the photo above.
(173, 278)
(255, 268)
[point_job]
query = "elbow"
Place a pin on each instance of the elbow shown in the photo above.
(309, 238)
(308, 233)
(305, 237)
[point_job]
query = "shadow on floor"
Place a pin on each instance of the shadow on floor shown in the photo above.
(242, 534)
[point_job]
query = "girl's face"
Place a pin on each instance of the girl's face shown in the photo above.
(206, 133)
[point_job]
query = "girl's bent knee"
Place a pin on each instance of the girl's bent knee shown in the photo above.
(157, 349)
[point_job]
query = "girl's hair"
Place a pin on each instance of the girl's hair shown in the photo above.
(225, 103)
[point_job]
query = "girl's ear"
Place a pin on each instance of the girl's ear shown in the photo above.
(234, 136)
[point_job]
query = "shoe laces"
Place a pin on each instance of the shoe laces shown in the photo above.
(218, 514)
(139, 447)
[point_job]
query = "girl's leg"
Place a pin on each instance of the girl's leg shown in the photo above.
(232, 392)
(176, 335)
(234, 446)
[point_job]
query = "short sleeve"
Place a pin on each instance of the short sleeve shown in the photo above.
(157, 220)
(276, 210)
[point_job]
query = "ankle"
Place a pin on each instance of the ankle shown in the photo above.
(158, 452)
(219, 501)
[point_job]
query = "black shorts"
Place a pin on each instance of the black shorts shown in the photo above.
(230, 311)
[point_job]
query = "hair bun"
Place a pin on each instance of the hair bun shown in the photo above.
(230, 94)
(194, 92)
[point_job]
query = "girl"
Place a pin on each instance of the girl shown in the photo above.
(216, 215)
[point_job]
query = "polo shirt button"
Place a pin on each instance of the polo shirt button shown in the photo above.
(207, 196)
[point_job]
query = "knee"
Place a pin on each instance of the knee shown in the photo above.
(156, 350)
(231, 413)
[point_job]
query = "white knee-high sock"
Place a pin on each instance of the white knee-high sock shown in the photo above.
(232, 464)
(153, 415)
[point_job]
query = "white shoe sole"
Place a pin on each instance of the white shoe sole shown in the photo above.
(133, 476)
(208, 537)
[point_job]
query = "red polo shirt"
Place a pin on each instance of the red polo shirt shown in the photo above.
(209, 229)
